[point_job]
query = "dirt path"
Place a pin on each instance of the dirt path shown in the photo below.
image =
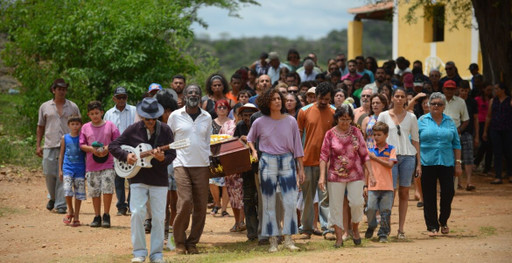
(480, 232)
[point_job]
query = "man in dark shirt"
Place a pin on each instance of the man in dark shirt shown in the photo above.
(250, 197)
(149, 183)
(469, 136)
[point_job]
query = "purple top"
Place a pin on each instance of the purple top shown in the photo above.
(277, 136)
(347, 154)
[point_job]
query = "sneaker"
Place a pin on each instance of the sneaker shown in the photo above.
(369, 233)
(50, 205)
(122, 211)
(106, 221)
(288, 243)
(96, 222)
(61, 210)
(400, 236)
(383, 239)
(138, 259)
(445, 230)
(273, 245)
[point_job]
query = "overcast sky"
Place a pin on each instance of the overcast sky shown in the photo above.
(311, 19)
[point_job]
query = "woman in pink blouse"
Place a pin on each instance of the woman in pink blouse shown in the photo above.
(344, 149)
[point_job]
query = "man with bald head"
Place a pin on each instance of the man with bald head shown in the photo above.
(262, 84)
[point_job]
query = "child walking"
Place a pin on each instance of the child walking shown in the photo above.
(95, 137)
(72, 170)
(380, 196)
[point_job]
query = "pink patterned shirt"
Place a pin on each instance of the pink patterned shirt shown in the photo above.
(347, 154)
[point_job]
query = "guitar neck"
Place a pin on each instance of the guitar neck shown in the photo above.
(148, 153)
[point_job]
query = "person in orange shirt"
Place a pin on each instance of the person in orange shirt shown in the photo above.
(380, 196)
(314, 121)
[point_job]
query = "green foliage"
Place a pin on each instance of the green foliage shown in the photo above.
(98, 45)
(234, 53)
(460, 12)
(17, 137)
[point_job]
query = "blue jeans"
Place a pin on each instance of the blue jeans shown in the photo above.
(274, 170)
(403, 170)
(381, 201)
(157, 196)
(309, 190)
(122, 202)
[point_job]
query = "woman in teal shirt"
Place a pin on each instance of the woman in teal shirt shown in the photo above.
(440, 160)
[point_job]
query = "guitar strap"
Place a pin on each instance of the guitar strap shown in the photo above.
(157, 133)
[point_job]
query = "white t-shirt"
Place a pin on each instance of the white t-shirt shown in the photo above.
(408, 132)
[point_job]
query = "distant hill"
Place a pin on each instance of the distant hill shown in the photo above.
(233, 53)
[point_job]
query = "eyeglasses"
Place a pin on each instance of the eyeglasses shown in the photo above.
(365, 96)
(148, 119)
(437, 104)
(293, 91)
(222, 108)
(398, 130)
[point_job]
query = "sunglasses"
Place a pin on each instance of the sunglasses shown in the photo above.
(398, 130)
(148, 119)
(293, 91)
(437, 104)
(222, 108)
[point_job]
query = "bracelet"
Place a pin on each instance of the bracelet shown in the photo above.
(458, 161)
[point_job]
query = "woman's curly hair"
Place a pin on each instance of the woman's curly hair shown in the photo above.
(265, 99)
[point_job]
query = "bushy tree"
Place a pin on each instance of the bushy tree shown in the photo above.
(98, 45)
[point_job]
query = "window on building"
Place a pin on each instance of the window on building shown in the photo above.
(434, 23)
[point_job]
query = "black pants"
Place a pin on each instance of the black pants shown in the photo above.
(429, 177)
(484, 149)
(251, 202)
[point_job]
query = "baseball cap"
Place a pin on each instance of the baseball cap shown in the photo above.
(449, 84)
(273, 55)
(418, 82)
(154, 86)
(120, 91)
(311, 90)
(408, 80)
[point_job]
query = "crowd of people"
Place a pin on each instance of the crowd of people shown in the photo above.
(327, 147)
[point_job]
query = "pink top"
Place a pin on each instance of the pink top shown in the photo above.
(105, 134)
(347, 154)
(483, 108)
(228, 127)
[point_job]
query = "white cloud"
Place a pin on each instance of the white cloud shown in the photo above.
(311, 19)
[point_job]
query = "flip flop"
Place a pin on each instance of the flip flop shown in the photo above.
(67, 219)
(76, 223)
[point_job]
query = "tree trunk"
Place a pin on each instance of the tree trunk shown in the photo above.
(494, 27)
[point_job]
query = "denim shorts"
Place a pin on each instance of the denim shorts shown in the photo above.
(403, 170)
(170, 177)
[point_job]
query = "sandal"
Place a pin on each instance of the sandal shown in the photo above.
(214, 211)
(329, 235)
(234, 228)
(76, 223)
(470, 187)
(242, 227)
(317, 232)
(497, 181)
(67, 219)
(445, 230)
(225, 213)
(432, 233)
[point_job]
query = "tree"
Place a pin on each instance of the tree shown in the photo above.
(98, 45)
(494, 27)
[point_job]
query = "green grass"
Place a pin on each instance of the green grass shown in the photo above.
(17, 139)
(5, 211)
(487, 230)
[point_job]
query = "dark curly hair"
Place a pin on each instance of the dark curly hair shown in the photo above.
(213, 77)
(265, 99)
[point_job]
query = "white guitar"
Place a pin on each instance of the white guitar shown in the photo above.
(143, 154)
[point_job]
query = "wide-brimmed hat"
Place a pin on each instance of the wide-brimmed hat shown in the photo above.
(149, 108)
(248, 106)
